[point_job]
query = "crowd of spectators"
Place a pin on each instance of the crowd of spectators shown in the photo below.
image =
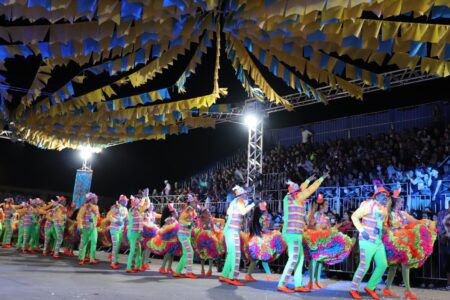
(416, 157)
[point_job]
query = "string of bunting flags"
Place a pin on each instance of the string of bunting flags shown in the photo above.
(132, 43)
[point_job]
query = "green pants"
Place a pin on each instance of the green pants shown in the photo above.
(88, 235)
(20, 236)
(49, 237)
(116, 240)
(187, 257)
(295, 261)
(369, 251)
(59, 231)
(135, 250)
(34, 240)
(233, 259)
(27, 233)
(7, 235)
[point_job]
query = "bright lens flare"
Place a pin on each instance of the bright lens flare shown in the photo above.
(251, 121)
(87, 152)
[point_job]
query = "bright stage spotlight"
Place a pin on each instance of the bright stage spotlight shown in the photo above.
(86, 153)
(251, 120)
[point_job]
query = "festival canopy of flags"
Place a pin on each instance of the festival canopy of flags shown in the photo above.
(92, 60)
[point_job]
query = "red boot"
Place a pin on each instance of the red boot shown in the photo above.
(387, 293)
(114, 266)
(372, 293)
(355, 294)
(249, 278)
(410, 295)
(236, 282)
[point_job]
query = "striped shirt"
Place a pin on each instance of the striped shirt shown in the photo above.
(118, 215)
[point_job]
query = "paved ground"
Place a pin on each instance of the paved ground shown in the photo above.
(35, 277)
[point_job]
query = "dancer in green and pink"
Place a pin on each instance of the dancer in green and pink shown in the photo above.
(134, 233)
(293, 228)
(59, 223)
(239, 207)
(186, 220)
(369, 220)
(87, 219)
(117, 215)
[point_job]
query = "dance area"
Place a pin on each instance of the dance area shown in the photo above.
(35, 277)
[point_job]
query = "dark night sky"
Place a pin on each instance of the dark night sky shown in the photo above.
(126, 168)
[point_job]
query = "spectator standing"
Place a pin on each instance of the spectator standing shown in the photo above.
(167, 188)
(306, 135)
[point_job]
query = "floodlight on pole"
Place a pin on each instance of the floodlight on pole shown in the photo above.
(86, 154)
(251, 120)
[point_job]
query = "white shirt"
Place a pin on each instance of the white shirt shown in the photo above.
(305, 135)
(167, 189)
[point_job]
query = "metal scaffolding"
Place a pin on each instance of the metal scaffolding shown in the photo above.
(255, 109)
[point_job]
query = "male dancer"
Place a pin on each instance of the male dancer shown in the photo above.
(369, 219)
(59, 223)
(186, 219)
(117, 215)
(294, 223)
(49, 231)
(238, 208)
(87, 219)
(9, 209)
(134, 233)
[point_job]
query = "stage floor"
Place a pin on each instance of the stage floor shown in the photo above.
(36, 277)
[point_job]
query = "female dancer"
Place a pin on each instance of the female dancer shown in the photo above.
(408, 243)
(166, 241)
(9, 210)
(117, 215)
(263, 244)
(150, 230)
(186, 219)
(323, 243)
(209, 241)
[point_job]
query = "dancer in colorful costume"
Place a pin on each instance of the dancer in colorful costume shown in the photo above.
(186, 220)
(239, 207)
(408, 243)
(209, 241)
(30, 214)
(166, 241)
(323, 243)
(149, 231)
(293, 227)
(9, 210)
(49, 232)
(59, 223)
(369, 219)
(117, 215)
(2, 219)
(71, 236)
(134, 233)
(87, 219)
(262, 243)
